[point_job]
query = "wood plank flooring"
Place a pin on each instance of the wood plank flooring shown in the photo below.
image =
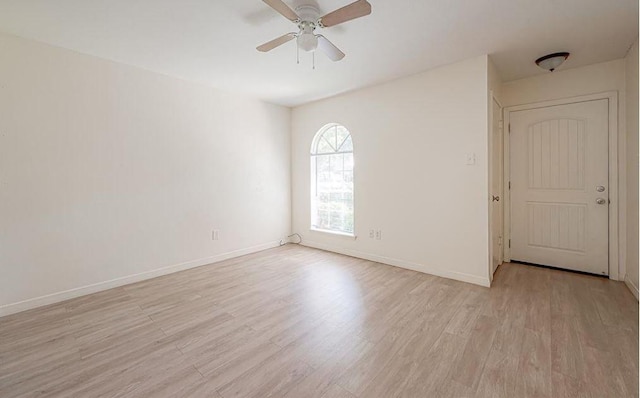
(297, 322)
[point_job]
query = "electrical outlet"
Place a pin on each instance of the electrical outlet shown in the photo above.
(215, 234)
(372, 233)
(378, 234)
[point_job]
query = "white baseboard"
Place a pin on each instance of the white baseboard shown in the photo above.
(459, 276)
(631, 286)
(20, 306)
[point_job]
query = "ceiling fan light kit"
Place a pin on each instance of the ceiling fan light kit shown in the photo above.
(551, 61)
(307, 40)
(308, 19)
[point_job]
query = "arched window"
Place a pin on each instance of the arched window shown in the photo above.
(332, 180)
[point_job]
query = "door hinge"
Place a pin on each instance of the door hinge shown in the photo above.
(509, 185)
(509, 128)
(509, 243)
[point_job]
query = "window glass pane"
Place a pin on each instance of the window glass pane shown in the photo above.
(348, 176)
(324, 146)
(329, 137)
(336, 165)
(347, 145)
(322, 164)
(348, 161)
(341, 135)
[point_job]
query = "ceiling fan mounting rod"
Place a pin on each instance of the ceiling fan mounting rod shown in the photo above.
(306, 27)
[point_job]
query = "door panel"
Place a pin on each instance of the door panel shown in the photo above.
(559, 186)
(557, 226)
(556, 154)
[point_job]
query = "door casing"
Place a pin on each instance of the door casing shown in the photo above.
(616, 212)
(495, 161)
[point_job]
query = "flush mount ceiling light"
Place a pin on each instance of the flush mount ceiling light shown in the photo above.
(551, 61)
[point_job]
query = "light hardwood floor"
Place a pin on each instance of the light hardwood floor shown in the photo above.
(296, 322)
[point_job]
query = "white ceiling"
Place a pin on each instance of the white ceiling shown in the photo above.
(213, 41)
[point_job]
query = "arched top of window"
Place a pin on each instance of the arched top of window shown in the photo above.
(332, 138)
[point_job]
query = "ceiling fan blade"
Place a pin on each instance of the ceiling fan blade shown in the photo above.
(270, 45)
(329, 49)
(283, 9)
(354, 10)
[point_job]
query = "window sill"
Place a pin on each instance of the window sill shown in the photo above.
(345, 235)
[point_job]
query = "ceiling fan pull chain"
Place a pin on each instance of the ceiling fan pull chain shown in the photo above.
(297, 55)
(313, 57)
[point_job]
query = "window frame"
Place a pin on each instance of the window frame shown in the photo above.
(313, 155)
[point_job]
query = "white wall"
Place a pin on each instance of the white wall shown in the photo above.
(597, 78)
(631, 63)
(411, 179)
(494, 79)
(108, 173)
(590, 79)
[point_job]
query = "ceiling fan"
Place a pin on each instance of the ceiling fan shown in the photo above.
(308, 18)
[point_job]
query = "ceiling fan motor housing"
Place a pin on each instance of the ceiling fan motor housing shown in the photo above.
(308, 13)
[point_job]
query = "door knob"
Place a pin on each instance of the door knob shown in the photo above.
(601, 201)
(600, 188)
(495, 198)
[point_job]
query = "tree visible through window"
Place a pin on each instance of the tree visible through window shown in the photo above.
(332, 180)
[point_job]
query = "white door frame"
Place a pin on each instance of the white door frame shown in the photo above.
(616, 213)
(492, 98)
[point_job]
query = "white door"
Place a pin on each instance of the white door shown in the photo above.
(496, 185)
(559, 186)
